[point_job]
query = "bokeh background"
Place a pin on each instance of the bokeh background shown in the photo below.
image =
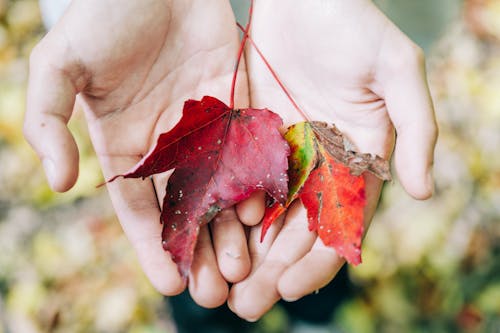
(433, 266)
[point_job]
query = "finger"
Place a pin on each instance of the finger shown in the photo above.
(321, 264)
(50, 100)
(206, 284)
(230, 244)
(229, 239)
(136, 205)
(251, 298)
(411, 110)
(251, 210)
(258, 249)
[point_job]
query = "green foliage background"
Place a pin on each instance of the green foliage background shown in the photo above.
(430, 266)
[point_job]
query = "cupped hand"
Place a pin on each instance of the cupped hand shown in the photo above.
(132, 64)
(347, 64)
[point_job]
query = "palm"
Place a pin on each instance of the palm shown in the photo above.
(329, 69)
(144, 73)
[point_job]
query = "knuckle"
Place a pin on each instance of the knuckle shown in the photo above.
(37, 55)
(413, 51)
(407, 57)
(413, 55)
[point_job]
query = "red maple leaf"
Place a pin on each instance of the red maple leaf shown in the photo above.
(220, 156)
(335, 200)
(328, 179)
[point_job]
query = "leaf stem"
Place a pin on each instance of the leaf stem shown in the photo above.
(240, 53)
(275, 76)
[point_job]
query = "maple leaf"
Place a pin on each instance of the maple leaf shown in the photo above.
(326, 174)
(220, 156)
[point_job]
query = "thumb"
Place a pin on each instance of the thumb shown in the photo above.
(411, 110)
(50, 100)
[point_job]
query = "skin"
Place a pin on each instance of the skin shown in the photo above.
(131, 65)
(344, 62)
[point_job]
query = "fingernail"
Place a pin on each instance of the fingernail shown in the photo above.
(50, 170)
(233, 255)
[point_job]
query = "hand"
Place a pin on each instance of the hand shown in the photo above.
(345, 63)
(132, 65)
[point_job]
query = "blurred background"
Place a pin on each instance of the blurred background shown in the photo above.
(431, 266)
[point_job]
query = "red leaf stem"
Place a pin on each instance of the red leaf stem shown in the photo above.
(240, 54)
(275, 76)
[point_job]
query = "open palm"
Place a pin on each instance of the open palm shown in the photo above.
(345, 63)
(132, 65)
